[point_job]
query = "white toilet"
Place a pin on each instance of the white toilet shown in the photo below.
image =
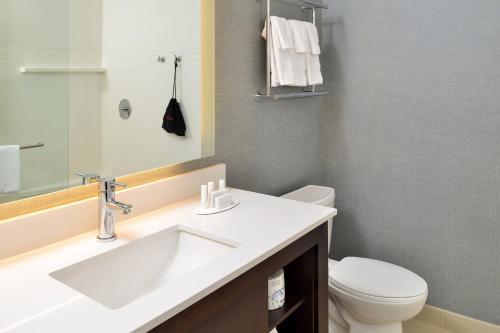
(365, 295)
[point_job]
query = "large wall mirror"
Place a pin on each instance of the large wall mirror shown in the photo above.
(84, 86)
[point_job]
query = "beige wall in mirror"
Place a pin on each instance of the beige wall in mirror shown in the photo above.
(62, 81)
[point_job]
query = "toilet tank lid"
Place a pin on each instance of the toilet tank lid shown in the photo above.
(318, 195)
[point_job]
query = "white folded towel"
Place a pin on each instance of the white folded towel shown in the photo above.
(312, 31)
(275, 79)
(313, 70)
(10, 169)
(313, 64)
(294, 53)
(282, 33)
(302, 47)
(282, 52)
(301, 42)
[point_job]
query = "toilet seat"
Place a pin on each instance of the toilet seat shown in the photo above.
(375, 299)
(377, 281)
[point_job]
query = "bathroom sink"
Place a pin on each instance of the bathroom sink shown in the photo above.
(122, 275)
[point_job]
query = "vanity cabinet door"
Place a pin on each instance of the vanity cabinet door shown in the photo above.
(247, 314)
(241, 308)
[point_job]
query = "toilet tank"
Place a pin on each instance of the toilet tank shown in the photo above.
(318, 195)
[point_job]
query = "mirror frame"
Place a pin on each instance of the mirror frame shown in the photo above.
(54, 199)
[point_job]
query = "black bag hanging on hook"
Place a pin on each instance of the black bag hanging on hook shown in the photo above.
(173, 121)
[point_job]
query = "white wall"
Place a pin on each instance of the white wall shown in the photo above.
(85, 42)
(135, 33)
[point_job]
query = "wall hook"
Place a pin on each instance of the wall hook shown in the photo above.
(177, 60)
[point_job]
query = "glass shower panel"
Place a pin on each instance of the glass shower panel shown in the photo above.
(34, 105)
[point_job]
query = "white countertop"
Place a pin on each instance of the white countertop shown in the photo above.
(32, 301)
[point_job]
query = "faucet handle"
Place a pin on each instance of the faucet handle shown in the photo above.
(113, 183)
(109, 184)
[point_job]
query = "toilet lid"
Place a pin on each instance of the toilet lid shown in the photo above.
(376, 278)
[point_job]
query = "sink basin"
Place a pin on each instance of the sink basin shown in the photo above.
(120, 276)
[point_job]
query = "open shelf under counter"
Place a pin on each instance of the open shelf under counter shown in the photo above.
(276, 317)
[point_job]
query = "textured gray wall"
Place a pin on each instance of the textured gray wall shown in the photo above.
(269, 147)
(412, 142)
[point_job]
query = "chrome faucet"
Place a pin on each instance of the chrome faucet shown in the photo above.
(107, 206)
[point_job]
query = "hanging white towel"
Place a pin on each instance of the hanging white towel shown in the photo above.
(301, 42)
(275, 79)
(282, 52)
(10, 169)
(274, 73)
(301, 46)
(312, 32)
(282, 33)
(313, 64)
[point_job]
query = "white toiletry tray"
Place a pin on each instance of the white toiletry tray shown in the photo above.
(211, 211)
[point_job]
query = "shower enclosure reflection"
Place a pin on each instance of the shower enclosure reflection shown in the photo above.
(65, 65)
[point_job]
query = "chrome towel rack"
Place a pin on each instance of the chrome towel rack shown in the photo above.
(307, 5)
(303, 94)
(36, 145)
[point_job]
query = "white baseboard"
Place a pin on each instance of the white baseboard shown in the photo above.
(436, 320)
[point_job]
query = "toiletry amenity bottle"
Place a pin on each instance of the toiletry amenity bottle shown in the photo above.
(204, 196)
(211, 188)
(276, 290)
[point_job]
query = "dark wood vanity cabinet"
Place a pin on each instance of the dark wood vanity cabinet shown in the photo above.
(241, 305)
